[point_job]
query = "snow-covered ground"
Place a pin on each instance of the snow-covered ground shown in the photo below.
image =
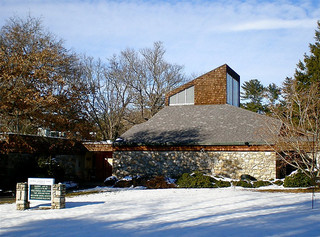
(170, 212)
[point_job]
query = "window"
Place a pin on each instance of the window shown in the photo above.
(185, 97)
(232, 91)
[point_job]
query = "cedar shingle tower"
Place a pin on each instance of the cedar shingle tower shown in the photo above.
(219, 86)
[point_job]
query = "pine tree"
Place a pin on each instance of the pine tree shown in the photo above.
(272, 93)
(253, 93)
(308, 70)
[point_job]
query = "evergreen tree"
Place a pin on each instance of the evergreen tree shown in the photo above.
(308, 70)
(306, 78)
(253, 93)
(272, 93)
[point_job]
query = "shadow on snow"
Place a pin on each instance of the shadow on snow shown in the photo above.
(295, 220)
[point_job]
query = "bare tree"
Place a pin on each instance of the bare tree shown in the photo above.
(298, 143)
(109, 97)
(154, 77)
(129, 89)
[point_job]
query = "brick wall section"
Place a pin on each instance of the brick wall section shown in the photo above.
(210, 88)
(259, 164)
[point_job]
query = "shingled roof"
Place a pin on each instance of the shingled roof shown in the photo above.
(201, 125)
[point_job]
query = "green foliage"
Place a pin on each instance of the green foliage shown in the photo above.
(261, 183)
(298, 179)
(272, 92)
(221, 184)
(253, 92)
(308, 71)
(247, 177)
(242, 183)
(278, 182)
(195, 180)
(306, 77)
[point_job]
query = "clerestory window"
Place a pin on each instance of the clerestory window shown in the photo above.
(233, 88)
(185, 97)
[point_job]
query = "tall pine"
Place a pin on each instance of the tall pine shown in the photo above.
(252, 94)
(308, 70)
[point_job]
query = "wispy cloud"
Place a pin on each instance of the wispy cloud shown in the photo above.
(258, 38)
(273, 24)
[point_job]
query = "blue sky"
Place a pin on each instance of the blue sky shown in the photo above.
(258, 39)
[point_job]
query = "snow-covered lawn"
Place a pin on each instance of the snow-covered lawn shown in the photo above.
(170, 212)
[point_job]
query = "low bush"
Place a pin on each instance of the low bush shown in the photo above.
(261, 183)
(195, 180)
(247, 177)
(297, 179)
(242, 183)
(110, 181)
(131, 181)
(139, 181)
(159, 182)
(278, 182)
(123, 184)
(221, 184)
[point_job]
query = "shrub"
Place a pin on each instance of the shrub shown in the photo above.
(110, 181)
(242, 183)
(247, 177)
(278, 182)
(186, 181)
(159, 182)
(221, 184)
(298, 179)
(139, 181)
(131, 181)
(261, 183)
(195, 180)
(123, 183)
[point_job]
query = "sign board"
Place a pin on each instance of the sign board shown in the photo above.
(40, 189)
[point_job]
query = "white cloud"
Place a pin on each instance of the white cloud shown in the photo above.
(272, 24)
(259, 39)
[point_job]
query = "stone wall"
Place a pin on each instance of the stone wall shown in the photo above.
(261, 165)
(58, 196)
(22, 202)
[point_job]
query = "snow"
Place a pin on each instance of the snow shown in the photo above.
(169, 212)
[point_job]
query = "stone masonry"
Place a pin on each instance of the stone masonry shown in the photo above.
(261, 165)
(22, 202)
(58, 196)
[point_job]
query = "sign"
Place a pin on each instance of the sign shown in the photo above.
(40, 189)
(40, 192)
